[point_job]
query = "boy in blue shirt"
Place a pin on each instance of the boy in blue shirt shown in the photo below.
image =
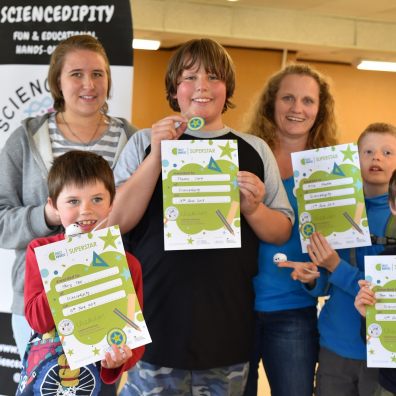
(342, 367)
(366, 296)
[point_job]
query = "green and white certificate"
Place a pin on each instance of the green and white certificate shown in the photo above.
(91, 295)
(329, 192)
(200, 194)
(381, 318)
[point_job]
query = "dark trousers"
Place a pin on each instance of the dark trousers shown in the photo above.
(344, 377)
(287, 343)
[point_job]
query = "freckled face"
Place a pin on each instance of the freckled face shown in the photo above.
(296, 105)
(202, 94)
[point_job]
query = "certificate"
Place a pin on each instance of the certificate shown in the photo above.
(91, 295)
(200, 194)
(329, 192)
(381, 318)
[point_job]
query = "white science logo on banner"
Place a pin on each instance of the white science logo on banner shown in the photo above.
(29, 33)
(28, 95)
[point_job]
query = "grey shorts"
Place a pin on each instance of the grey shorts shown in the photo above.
(147, 379)
(339, 376)
(383, 392)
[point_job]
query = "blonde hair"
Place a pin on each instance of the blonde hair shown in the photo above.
(379, 128)
(324, 130)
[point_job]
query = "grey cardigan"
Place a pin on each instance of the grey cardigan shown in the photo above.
(25, 160)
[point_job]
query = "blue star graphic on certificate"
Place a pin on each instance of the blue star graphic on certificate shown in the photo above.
(126, 274)
(359, 185)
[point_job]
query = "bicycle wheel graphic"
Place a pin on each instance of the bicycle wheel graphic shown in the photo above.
(84, 381)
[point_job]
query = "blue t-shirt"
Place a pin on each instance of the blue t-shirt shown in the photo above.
(274, 288)
(339, 321)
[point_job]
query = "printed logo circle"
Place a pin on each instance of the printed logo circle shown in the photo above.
(374, 330)
(195, 123)
(307, 229)
(65, 327)
(305, 217)
(116, 337)
(171, 213)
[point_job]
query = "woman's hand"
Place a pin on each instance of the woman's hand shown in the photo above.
(304, 272)
(321, 253)
(252, 191)
(117, 357)
(51, 215)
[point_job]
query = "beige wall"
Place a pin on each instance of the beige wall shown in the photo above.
(361, 97)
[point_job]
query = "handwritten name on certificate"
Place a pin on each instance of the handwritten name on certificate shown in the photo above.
(381, 317)
(91, 295)
(329, 192)
(200, 194)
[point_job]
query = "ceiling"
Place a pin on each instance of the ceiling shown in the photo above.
(324, 30)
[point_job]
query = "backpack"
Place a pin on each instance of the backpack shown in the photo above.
(45, 371)
(387, 240)
(390, 234)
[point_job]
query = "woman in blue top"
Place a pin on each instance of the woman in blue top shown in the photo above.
(294, 112)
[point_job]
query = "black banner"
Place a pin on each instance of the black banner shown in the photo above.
(30, 30)
(10, 365)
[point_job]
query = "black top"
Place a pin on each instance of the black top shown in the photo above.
(207, 321)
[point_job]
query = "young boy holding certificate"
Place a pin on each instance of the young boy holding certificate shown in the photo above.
(342, 358)
(366, 296)
(198, 304)
(81, 190)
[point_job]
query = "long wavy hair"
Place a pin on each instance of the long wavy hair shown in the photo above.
(262, 121)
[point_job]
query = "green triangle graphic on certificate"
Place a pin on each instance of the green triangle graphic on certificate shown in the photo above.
(337, 170)
(213, 165)
(97, 261)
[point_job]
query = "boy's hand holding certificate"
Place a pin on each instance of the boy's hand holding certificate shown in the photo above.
(91, 295)
(200, 194)
(381, 318)
(329, 191)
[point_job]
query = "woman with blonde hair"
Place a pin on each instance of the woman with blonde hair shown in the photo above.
(294, 112)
